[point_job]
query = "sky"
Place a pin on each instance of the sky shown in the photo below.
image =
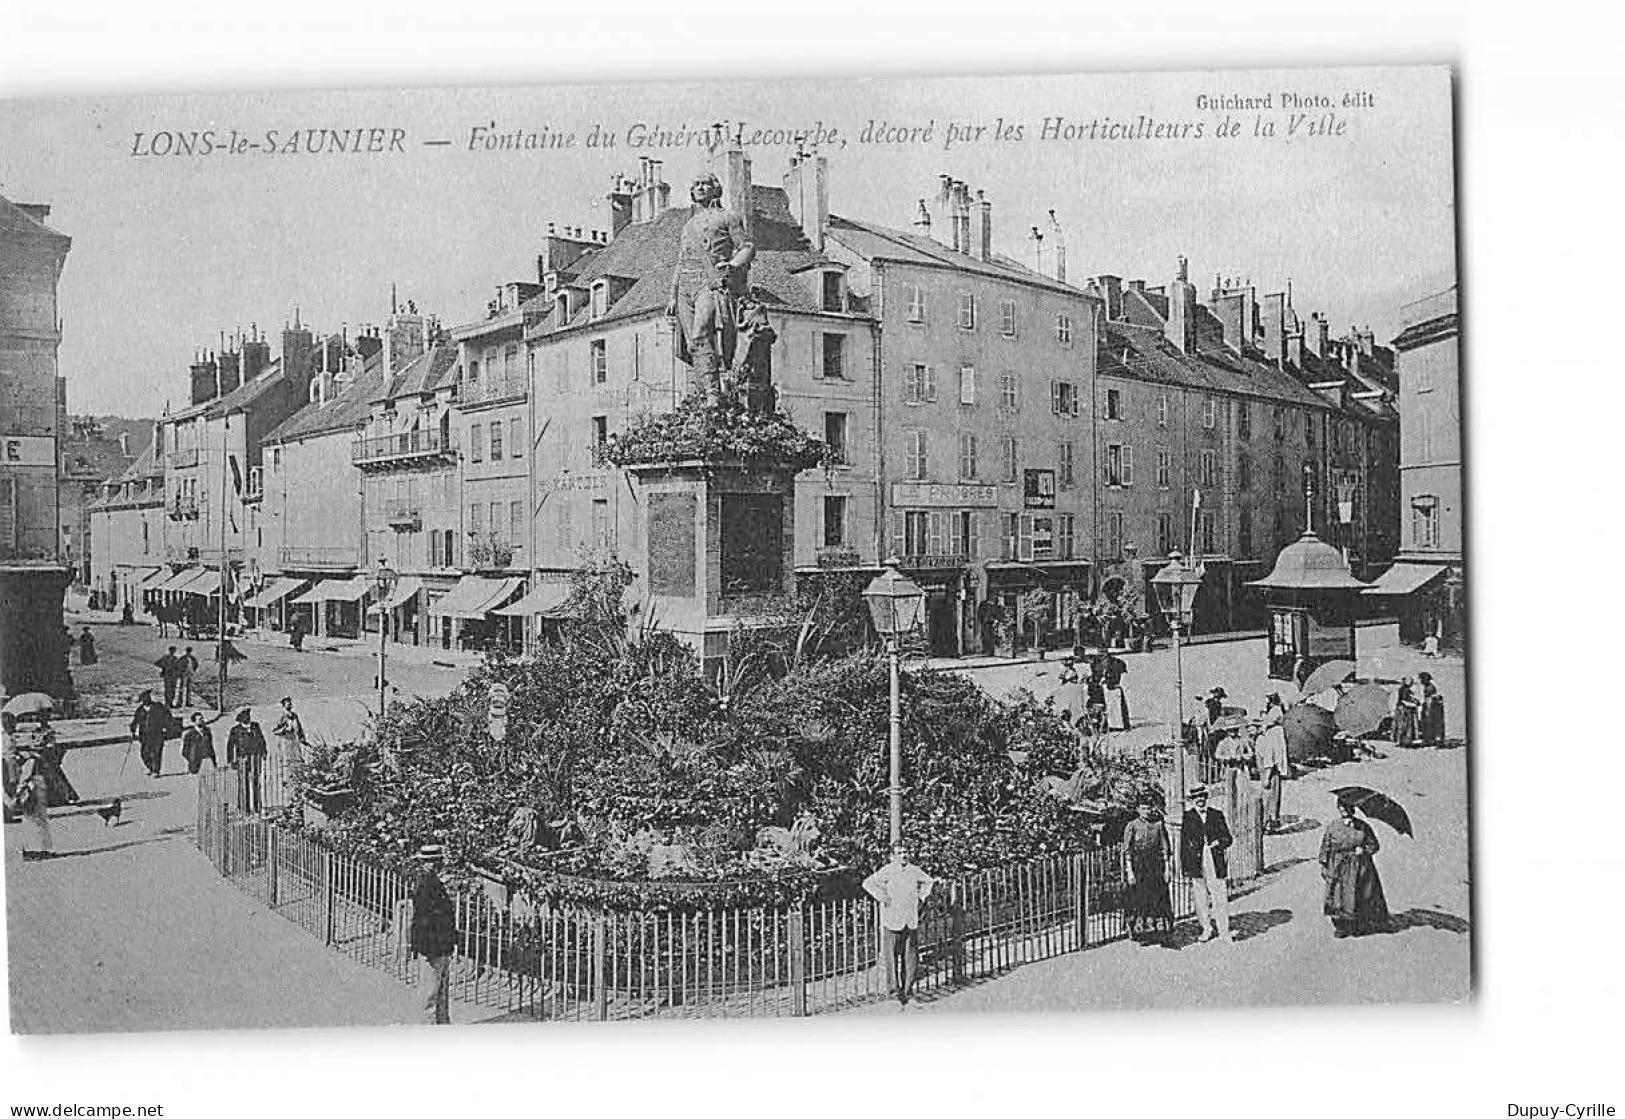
(171, 250)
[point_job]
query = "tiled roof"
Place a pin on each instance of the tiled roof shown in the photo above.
(1212, 368)
(146, 465)
(348, 409)
(645, 254)
(878, 242)
(427, 372)
(247, 393)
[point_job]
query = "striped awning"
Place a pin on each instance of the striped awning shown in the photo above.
(176, 581)
(273, 592)
(204, 583)
(336, 590)
(1405, 578)
(546, 600)
(474, 597)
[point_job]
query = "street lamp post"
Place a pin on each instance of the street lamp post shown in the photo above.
(1176, 586)
(895, 604)
(383, 582)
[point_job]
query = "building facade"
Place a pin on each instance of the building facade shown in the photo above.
(1427, 584)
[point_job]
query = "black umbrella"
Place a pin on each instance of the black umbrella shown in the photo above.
(1378, 806)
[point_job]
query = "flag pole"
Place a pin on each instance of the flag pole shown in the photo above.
(220, 635)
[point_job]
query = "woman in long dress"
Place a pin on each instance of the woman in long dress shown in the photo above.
(1405, 709)
(1432, 718)
(1354, 898)
(32, 800)
(1146, 907)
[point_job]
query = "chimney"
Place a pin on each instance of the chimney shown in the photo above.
(962, 210)
(1111, 294)
(1230, 309)
(621, 192)
(806, 183)
(231, 372)
(1274, 326)
(1318, 335)
(984, 227)
(205, 386)
(732, 169)
(124, 444)
(1137, 286)
(256, 356)
(1294, 349)
(298, 359)
(1181, 324)
(1059, 238)
(947, 228)
(1037, 241)
(922, 221)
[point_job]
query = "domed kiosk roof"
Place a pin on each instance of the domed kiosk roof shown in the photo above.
(1309, 563)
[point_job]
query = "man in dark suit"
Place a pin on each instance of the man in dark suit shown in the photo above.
(1204, 837)
(434, 934)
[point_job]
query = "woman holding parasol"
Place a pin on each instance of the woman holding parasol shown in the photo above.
(1354, 897)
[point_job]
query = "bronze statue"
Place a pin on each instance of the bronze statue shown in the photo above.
(752, 373)
(711, 277)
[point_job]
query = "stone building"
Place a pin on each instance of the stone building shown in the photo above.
(985, 372)
(1427, 583)
(33, 409)
(127, 534)
(92, 453)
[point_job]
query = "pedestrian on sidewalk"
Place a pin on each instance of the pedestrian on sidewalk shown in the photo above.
(188, 673)
(245, 752)
(900, 887)
(59, 790)
(1354, 897)
(197, 745)
(149, 727)
(1274, 766)
(32, 801)
(296, 633)
(1147, 906)
(1431, 718)
(434, 934)
(169, 668)
(87, 647)
(1204, 837)
(1114, 670)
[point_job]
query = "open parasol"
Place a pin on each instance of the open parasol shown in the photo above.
(29, 703)
(1231, 722)
(1361, 709)
(1328, 675)
(1378, 806)
(1309, 730)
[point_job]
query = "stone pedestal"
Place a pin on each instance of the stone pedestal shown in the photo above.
(33, 647)
(715, 548)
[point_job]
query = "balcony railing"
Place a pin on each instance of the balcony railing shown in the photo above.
(500, 387)
(403, 515)
(319, 559)
(182, 509)
(178, 460)
(401, 448)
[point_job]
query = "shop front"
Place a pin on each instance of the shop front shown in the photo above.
(1429, 599)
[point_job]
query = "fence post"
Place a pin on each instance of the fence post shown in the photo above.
(328, 887)
(798, 961)
(600, 977)
(956, 929)
(271, 861)
(1080, 875)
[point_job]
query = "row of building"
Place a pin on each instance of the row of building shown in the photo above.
(999, 425)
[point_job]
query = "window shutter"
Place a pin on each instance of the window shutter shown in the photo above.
(1077, 398)
(930, 385)
(956, 534)
(1055, 397)
(934, 534)
(898, 542)
(1024, 545)
(973, 523)
(1128, 465)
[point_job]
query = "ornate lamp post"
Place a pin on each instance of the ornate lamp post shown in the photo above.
(1176, 586)
(895, 604)
(383, 582)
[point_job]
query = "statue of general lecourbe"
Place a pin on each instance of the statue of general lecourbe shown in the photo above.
(710, 287)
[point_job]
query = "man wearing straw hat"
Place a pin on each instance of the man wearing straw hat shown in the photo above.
(434, 934)
(1204, 837)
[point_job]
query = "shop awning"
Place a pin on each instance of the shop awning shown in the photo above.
(474, 597)
(152, 578)
(336, 590)
(546, 600)
(273, 592)
(1405, 578)
(204, 583)
(405, 591)
(176, 581)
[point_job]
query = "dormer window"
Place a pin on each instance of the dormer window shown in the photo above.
(561, 306)
(834, 291)
(600, 299)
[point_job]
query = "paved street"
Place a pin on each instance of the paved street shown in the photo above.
(169, 944)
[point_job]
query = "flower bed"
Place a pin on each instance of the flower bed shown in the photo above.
(724, 432)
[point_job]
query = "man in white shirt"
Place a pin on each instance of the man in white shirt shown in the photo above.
(900, 887)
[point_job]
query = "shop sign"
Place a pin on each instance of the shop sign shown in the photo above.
(1038, 489)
